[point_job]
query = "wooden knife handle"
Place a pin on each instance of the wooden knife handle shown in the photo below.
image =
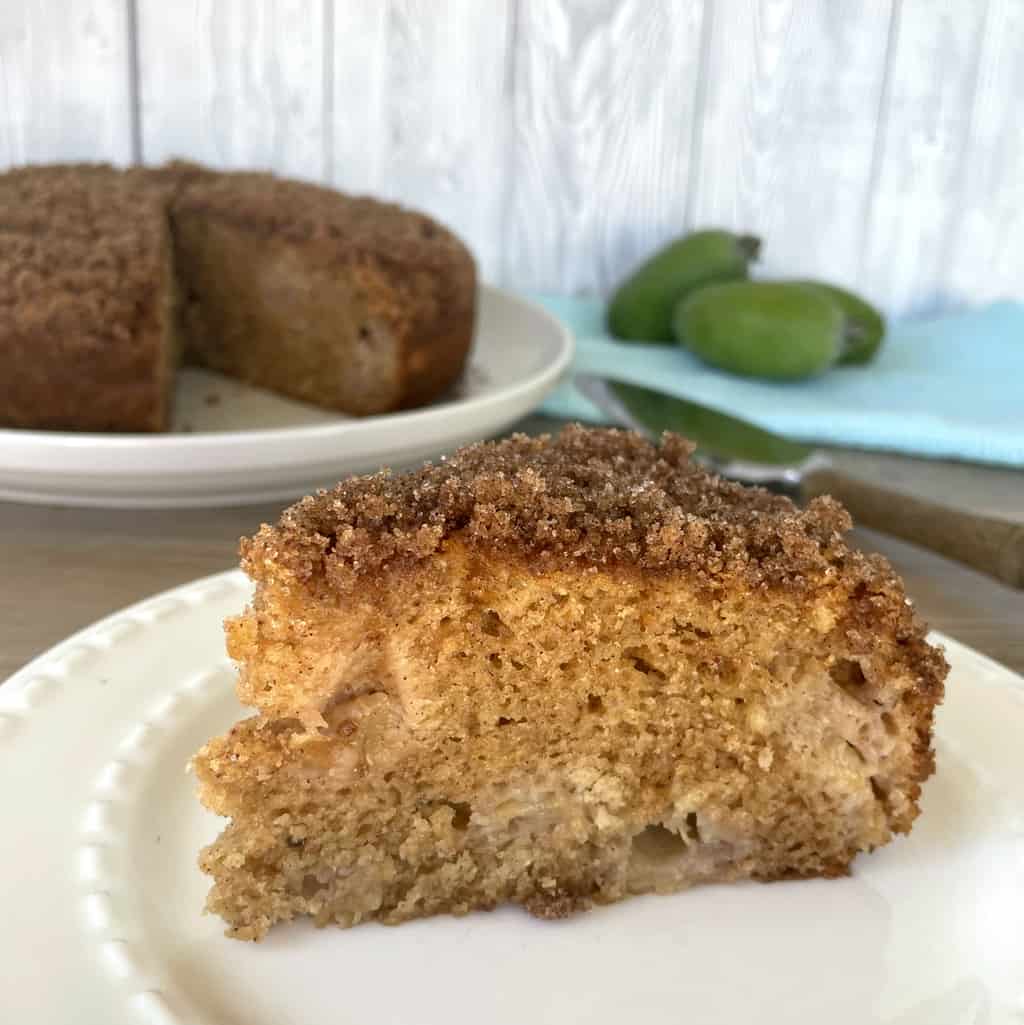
(993, 546)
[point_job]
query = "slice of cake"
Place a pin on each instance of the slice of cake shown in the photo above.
(558, 671)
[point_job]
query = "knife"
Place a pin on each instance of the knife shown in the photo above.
(749, 454)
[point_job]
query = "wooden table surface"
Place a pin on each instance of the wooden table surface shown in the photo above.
(64, 568)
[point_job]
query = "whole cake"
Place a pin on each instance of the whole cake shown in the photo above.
(109, 278)
(558, 671)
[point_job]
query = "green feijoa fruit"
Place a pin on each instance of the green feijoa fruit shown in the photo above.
(772, 329)
(641, 308)
(866, 324)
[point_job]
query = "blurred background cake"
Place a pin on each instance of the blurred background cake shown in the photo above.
(109, 278)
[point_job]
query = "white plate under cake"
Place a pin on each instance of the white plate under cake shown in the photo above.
(103, 879)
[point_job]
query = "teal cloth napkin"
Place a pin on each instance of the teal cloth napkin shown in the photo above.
(949, 387)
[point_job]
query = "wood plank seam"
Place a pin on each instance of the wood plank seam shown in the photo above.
(699, 106)
(963, 176)
(328, 92)
(507, 202)
(135, 105)
(878, 148)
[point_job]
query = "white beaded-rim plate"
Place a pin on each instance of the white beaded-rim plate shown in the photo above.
(102, 898)
(231, 443)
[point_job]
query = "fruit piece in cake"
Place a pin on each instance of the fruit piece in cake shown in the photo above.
(557, 672)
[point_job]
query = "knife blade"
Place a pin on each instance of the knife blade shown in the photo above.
(730, 446)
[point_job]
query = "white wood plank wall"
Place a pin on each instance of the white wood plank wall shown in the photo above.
(875, 142)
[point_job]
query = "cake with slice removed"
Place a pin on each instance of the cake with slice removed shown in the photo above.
(557, 672)
(109, 278)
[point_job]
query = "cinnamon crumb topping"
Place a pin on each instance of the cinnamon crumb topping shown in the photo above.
(304, 212)
(592, 497)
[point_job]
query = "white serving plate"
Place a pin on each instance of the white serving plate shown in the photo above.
(232, 444)
(102, 898)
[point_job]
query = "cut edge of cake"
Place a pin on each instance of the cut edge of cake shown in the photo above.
(346, 302)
